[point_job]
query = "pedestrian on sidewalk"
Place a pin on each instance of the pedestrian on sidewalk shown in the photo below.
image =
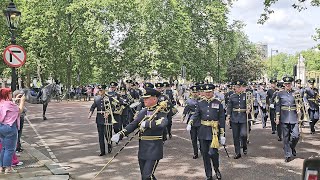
(9, 125)
(16, 94)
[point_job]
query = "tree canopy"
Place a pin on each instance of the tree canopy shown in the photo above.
(98, 41)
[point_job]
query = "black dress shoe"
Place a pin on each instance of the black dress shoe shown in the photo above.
(195, 156)
(294, 152)
(273, 132)
(237, 156)
(170, 136)
(313, 132)
(209, 178)
(287, 159)
(279, 139)
(109, 148)
(245, 151)
(218, 174)
(102, 154)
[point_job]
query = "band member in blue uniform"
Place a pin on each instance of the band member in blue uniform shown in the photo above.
(311, 99)
(286, 115)
(210, 115)
(104, 124)
(150, 135)
(237, 115)
(188, 111)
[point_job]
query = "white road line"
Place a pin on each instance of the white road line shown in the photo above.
(182, 138)
(53, 157)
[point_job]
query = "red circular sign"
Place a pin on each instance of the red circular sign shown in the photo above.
(14, 56)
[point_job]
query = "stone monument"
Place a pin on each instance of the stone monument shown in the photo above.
(301, 70)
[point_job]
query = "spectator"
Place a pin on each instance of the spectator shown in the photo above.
(9, 125)
(22, 116)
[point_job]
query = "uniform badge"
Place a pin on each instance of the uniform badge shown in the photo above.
(244, 98)
(215, 106)
(162, 98)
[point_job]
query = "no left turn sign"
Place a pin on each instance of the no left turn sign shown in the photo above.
(14, 56)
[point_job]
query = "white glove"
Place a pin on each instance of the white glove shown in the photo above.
(143, 124)
(271, 106)
(222, 140)
(115, 138)
(188, 127)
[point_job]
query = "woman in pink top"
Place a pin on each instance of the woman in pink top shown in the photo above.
(9, 125)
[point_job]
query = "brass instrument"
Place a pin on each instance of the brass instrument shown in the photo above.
(300, 107)
(108, 106)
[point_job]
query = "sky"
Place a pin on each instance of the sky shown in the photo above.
(287, 30)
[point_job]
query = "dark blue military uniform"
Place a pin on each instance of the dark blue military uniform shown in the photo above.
(271, 94)
(237, 108)
(104, 125)
(311, 97)
(117, 109)
(169, 94)
(287, 113)
(188, 111)
(209, 115)
(150, 140)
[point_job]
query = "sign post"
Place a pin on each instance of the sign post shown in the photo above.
(14, 56)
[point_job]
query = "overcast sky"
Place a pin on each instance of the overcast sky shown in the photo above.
(287, 30)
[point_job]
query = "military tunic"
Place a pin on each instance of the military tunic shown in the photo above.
(311, 98)
(209, 115)
(188, 111)
(104, 126)
(287, 112)
(150, 140)
(237, 111)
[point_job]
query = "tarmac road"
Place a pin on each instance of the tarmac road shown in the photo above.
(71, 139)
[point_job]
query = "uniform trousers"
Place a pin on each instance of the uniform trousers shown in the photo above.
(147, 169)
(274, 126)
(209, 154)
(104, 131)
(290, 133)
(239, 132)
(264, 116)
(314, 117)
(194, 138)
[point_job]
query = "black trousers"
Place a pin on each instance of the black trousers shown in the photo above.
(239, 132)
(147, 169)
(256, 111)
(124, 120)
(208, 155)
(273, 119)
(291, 136)
(264, 116)
(20, 132)
(104, 131)
(194, 139)
(117, 126)
(169, 126)
(314, 117)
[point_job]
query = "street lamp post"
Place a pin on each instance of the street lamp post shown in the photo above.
(13, 18)
(276, 51)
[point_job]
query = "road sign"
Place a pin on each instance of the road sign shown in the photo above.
(14, 56)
